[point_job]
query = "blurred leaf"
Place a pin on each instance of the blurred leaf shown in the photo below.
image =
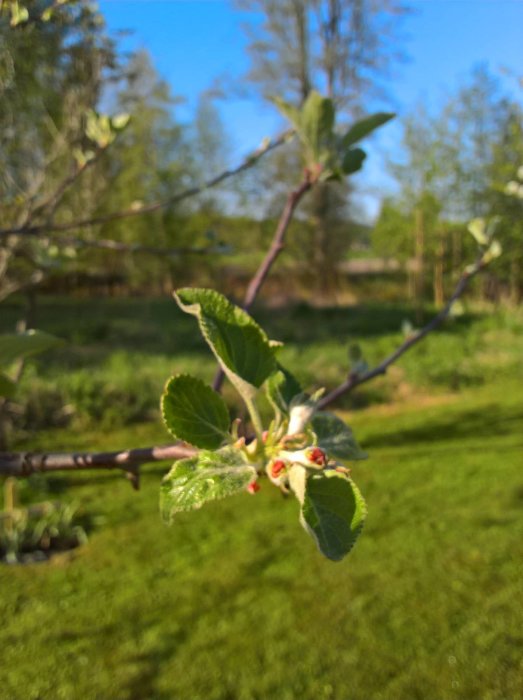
(7, 386)
(477, 227)
(353, 160)
(317, 124)
(493, 252)
(19, 13)
(289, 112)
(355, 353)
(14, 346)
(364, 127)
(120, 121)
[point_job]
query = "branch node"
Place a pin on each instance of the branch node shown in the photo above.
(133, 474)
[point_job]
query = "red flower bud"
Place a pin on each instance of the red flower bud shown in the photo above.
(277, 467)
(317, 456)
(253, 487)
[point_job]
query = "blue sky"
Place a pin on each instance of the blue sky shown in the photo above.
(193, 42)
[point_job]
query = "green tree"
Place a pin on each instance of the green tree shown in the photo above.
(148, 162)
(503, 199)
(342, 48)
(51, 75)
(446, 174)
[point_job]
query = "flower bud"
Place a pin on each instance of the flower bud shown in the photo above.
(317, 456)
(253, 487)
(277, 467)
(300, 416)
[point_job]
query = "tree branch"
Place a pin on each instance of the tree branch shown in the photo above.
(38, 229)
(26, 463)
(277, 246)
(355, 380)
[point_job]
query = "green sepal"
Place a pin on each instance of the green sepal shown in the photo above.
(332, 512)
(194, 412)
(16, 346)
(364, 127)
(240, 345)
(205, 477)
(335, 437)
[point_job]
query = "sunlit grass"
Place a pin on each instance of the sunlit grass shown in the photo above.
(234, 602)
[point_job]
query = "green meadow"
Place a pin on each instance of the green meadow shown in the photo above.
(234, 602)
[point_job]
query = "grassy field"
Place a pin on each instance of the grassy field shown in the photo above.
(234, 602)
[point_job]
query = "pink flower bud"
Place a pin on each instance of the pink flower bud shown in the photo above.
(253, 487)
(317, 456)
(277, 467)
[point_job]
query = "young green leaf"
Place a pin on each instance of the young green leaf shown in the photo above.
(335, 437)
(19, 13)
(332, 512)
(317, 124)
(15, 346)
(205, 477)
(120, 121)
(289, 112)
(240, 345)
(477, 227)
(364, 127)
(194, 412)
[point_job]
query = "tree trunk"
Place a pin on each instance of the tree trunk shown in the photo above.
(439, 294)
(419, 234)
(515, 282)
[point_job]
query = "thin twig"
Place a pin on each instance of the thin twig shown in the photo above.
(355, 380)
(277, 246)
(52, 202)
(38, 229)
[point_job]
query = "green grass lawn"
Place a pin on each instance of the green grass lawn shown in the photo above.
(234, 602)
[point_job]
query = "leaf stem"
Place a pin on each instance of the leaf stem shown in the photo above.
(255, 418)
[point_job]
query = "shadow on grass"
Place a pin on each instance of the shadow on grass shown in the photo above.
(490, 420)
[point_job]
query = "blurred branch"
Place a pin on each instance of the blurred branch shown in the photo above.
(249, 161)
(355, 380)
(13, 287)
(52, 202)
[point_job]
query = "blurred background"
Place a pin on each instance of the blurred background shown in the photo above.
(114, 118)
